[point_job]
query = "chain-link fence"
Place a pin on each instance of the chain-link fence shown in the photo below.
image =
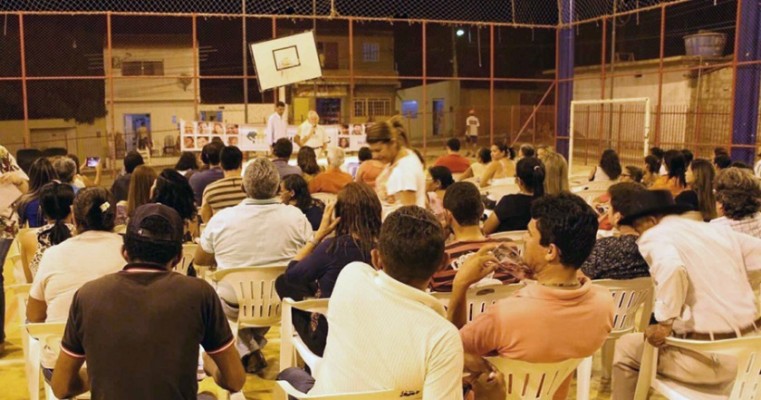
(87, 75)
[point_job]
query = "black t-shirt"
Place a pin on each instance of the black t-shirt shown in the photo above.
(513, 212)
(139, 333)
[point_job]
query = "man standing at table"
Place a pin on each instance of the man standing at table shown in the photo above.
(311, 134)
(277, 123)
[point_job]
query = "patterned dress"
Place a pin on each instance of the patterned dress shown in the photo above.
(43, 243)
(616, 258)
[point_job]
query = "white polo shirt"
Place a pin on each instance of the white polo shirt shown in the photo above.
(318, 140)
(277, 127)
(256, 233)
(387, 335)
(64, 268)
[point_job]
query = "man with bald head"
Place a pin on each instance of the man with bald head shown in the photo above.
(311, 134)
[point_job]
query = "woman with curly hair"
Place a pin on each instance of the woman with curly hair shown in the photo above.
(738, 198)
(173, 190)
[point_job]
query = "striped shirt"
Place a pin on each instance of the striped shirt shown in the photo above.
(750, 225)
(226, 192)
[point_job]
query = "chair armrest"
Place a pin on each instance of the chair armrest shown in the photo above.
(290, 390)
(647, 370)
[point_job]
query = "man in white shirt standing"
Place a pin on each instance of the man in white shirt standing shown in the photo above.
(311, 134)
(386, 332)
(701, 293)
(277, 123)
(471, 132)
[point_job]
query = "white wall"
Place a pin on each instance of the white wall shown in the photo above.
(447, 90)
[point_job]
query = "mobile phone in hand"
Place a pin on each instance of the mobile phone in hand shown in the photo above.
(92, 162)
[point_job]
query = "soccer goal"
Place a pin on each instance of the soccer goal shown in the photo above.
(621, 124)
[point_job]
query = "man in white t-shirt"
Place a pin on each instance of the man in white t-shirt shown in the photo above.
(386, 332)
(277, 123)
(259, 231)
(311, 134)
(471, 132)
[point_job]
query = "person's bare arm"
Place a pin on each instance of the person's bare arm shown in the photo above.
(69, 379)
(491, 224)
(488, 174)
(203, 258)
(467, 174)
(473, 270)
(406, 198)
(206, 212)
(226, 369)
(36, 310)
(28, 240)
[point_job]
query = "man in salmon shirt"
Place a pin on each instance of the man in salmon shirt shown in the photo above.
(555, 317)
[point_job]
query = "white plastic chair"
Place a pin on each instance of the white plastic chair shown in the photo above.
(535, 381)
(327, 198)
(120, 229)
(188, 253)
(29, 346)
(258, 302)
(283, 389)
(290, 342)
(747, 384)
(48, 334)
(628, 296)
(497, 192)
(479, 298)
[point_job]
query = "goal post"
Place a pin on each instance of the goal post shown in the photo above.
(634, 100)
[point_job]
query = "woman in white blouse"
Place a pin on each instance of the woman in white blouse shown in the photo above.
(402, 182)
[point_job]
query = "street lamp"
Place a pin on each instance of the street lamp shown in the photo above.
(460, 32)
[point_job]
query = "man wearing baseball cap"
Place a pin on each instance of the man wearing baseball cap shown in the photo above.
(139, 329)
(701, 293)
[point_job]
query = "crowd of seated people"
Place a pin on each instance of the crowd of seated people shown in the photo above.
(377, 250)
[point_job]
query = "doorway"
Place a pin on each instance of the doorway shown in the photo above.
(329, 110)
(438, 116)
(134, 126)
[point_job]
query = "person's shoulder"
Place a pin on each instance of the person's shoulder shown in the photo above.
(99, 286)
(356, 271)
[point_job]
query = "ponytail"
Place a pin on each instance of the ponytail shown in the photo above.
(386, 131)
(538, 175)
(530, 171)
(94, 210)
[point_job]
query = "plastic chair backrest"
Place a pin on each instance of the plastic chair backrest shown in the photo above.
(49, 333)
(285, 388)
(628, 296)
(327, 198)
(479, 298)
(188, 253)
(290, 342)
(258, 302)
(535, 381)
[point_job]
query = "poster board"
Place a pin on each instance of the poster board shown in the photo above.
(286, 60)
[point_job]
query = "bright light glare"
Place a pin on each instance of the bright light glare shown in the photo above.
(460, 32)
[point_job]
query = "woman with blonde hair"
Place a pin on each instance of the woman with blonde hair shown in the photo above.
(402, 182)
(139, 193)
(556, 172)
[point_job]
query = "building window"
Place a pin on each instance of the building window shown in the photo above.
(328, 53)
(142, 68)
(370, 52)
(409, 109)
(371, 107)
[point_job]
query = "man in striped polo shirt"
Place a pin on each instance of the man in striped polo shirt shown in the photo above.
(228, 191)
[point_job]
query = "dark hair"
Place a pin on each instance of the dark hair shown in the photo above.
(484, 155)
(527, 150)
(55, 201)
(722, 161)
(453, 144)
(504, 148)
(132, 160)
(443, 175)
(210, 153)
(279, 104)
(155, 251)
(307, 161)
(411, 244)
(186, 162)
(657, 152)
(719, 150)
(652, 164)
(688, 157)
(298, 185)
(364, 154)
(231, 158)
(738, 192)
(610, 164)
(386, 131)
(635, 173)
(530, 171)
(569, 223)
(740, 164)
(360, 210)
(41, 172)
(704, 175)
(282, 148)
(94, 210)
(675, 165)
(25, 158)
(173, 190)
(625, 197)
(463, 200)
